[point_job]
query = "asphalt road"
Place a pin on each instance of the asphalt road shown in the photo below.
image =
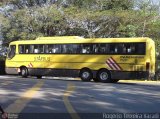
(72, 99)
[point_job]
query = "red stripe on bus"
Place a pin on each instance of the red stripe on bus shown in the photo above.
(117, 64)
(114, 64)
(31, 64)
(109, 64)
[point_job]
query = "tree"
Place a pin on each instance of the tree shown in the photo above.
(45, 21)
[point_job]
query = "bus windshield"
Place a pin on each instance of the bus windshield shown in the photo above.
(12, 51)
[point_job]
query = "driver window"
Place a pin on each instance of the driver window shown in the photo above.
(12, 51)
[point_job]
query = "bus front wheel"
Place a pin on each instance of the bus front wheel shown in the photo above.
(86, 75)
(104, 76)
(24, 72)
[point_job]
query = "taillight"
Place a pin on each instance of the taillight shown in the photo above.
(147, 66)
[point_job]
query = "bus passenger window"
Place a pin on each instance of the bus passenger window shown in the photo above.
(95, 48)
(36, 50)
(70, 49)
(49, 48)
(84, 50)
(46, 49)
(57, 49)
(132, 49)
(74, 49)
(64, 49)
(21, 49)
(87, 49)
(102, 49)
(129, 50)
(27, 49)
(141, 48)
(113, 49)
(41, 49)
(124, 50)
(116, 50)
(31, 49)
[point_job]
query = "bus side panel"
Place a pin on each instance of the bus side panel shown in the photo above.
(126, 75)
(54, 72)
(11, 70)
(150, 54)
(153, 62)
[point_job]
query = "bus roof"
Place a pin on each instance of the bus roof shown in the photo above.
(60, 38)
(76, 39)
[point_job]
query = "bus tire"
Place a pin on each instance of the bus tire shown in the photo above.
(104, 76)
(86, 75)
(24, 72)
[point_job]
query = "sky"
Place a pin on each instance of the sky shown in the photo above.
(156, 1)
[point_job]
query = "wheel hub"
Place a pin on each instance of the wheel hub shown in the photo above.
(85, 75)
(104, 76)
(23, 72)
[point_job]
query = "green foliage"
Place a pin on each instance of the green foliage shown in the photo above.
(117, 4)
(2, 58)
(127, 31)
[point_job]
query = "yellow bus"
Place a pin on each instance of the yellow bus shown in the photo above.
(100, 59)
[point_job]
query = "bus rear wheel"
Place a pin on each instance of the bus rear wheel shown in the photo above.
(24, 72)
(104, 76)
(86, 75)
